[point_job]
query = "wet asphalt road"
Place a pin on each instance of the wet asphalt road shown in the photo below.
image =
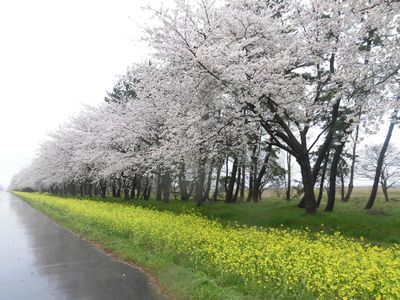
(41, 260)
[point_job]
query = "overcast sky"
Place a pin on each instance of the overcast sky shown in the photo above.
(56, 56)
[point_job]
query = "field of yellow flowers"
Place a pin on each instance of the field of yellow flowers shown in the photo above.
(288, 262)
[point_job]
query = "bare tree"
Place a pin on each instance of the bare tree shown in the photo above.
(390, 170)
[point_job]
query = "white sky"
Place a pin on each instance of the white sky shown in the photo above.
(56, 56)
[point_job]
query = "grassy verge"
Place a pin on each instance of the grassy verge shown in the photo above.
(198, 258)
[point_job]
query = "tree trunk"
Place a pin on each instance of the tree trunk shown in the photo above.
(239, 174)
(215, 195)
(146, 189)
(103, 187)
(341, 182)
(379, 166)
(90, 187)
(114, 190)
(253, 196)
(166, 185)
(206, 195)
(133, 187)
(231, 184)
(148, 192)
(289, 176)
(191, 189)
(199, 187)
(242, 183)
(324, 149)
(174, 190)
(126, 193)
(118, 193)
(138, 187)
(322, 181)
(183, 184)
(251, 185)
(332, 177)
(258, 179)
(309, 202)
(226, 174)
(73, 190)
(159, 187)
(329, 137)
(95, 190)
(385, 191)
(352, 167)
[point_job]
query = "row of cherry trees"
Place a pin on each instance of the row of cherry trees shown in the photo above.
(229, 85)
(126, 147)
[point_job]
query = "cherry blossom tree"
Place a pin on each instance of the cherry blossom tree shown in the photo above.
(229, 82)
(286, 64)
